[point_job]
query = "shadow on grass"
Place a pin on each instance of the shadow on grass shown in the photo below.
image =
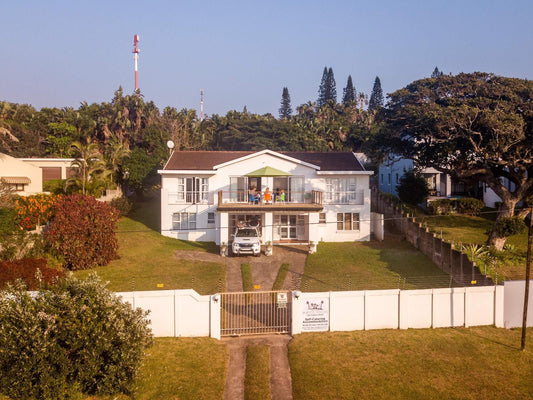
(147, 211)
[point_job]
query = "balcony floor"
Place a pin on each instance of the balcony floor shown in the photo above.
(229, 207)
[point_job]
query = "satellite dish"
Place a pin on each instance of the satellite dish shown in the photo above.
(170, 144)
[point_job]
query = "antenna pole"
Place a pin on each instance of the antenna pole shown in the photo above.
(136, 52)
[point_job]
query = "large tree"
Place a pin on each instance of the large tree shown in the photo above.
(285, 110)
(376, 98)
(328, 88)
(475, 127)
(349, 93)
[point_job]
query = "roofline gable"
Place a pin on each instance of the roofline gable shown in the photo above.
(270, 152)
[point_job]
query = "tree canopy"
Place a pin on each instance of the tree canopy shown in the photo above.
(376, 97)
(285, 110)
(349, 92)
(476, 127)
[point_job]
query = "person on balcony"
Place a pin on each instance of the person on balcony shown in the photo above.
(257, 199)
(252, 194)
(282, 195)
(267, 196)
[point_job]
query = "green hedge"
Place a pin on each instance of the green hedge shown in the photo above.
(466, 205)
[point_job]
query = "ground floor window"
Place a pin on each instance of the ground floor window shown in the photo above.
(211, 218)
(347, 221)
(322, 218)
(183, 221)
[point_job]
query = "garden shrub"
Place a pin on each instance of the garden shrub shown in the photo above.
(468, 205)
(73, 338)
(82, 232)
(35, 210)
(122, 204)
(7, 220)
(440, 207)
(55, 186)
(26, 270)
(509, 226)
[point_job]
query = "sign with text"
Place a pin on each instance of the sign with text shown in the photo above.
(315, 315)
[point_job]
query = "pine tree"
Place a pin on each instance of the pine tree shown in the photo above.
(285, 110)
(436, 73)
(322, 89)
(376, 98)
(331, 87)
(348, 92)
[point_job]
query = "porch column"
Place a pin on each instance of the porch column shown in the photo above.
(313, 228)
(268, 227)
(223, 229)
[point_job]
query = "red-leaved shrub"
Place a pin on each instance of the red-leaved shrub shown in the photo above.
(26, 269)
(82, 232)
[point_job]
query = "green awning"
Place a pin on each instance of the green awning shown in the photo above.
(267, 171)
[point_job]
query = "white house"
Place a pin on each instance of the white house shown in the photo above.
(205, 195)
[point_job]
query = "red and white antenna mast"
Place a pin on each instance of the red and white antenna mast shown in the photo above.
(136, 52)
(201, 104)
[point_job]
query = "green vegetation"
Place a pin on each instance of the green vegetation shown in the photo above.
(73, 338)
(473, 363)
(148, 259)
(280, 277)
(257, 377)
(465, 230)
(370, 265)
(246, 274)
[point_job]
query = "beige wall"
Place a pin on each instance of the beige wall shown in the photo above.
(13, 167)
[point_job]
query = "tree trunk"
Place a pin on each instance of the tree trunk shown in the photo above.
(506, 210)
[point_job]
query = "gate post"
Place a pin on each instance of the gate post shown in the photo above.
(296, 317)
(214, 317)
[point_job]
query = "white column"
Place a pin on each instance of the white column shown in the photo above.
(223, 229)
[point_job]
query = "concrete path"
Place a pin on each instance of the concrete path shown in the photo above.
(264, 271)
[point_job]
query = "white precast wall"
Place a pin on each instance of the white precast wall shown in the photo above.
(404, 309)
(514, 303)
(174, 312)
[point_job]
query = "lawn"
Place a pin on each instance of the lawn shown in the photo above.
(370, 265)
(147, 259)
(473, 363)
(466, 230)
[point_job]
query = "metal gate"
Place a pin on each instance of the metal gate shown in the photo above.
(253, 313)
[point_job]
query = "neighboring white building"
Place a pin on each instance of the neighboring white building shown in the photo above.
(205, 194)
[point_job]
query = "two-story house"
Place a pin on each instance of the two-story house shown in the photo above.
(293, 197)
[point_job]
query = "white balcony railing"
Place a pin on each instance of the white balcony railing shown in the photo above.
(356, 197)
(190, 197)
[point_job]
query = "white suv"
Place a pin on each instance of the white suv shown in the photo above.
(246, 241)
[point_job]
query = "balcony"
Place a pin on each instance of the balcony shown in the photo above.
(294, 201)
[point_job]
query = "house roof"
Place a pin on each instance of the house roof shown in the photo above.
(207, 160)
(16, 180)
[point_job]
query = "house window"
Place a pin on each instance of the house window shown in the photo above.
(341, 190)
(347, 221)
(322, 218)
(192, 190)
(183, 221)
(211, 218)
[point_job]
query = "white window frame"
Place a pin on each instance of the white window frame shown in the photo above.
(341, 190)
(199, 193)
(210, 218)
(348, 222)
(183, 221)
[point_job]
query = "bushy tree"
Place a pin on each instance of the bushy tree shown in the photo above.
(413, 188)
(82, 232)
(285, 110)
(436, 73)
(72, 338)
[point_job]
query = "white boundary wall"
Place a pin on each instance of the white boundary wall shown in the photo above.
(177, 313)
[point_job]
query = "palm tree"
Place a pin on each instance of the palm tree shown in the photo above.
(90, 168)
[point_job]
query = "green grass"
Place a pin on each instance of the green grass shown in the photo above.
(473, 363)
(474, 230)
(370, 265)
(246, 274)
(147, 258)
(280, 277)
(257, 377)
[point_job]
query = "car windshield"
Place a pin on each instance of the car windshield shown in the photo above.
(246, 233)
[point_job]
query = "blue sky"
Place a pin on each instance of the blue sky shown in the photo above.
(60, 53)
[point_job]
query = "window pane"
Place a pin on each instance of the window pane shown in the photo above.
(355, 221)
(340, 223)
(347, 221)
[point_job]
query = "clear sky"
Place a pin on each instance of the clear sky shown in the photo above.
(58, 53)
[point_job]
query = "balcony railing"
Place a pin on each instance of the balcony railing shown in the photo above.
(292, 197)
(190, 197)
(356, 197)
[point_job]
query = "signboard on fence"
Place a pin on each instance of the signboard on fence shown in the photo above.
(315, 315)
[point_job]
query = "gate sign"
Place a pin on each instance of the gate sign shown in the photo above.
(315, 313)
(282, 300)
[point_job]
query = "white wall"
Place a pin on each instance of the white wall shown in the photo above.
(185, 313)
(174, 312)
(13, 167)
(514, 303)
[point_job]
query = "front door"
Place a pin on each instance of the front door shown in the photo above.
(289, 227)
